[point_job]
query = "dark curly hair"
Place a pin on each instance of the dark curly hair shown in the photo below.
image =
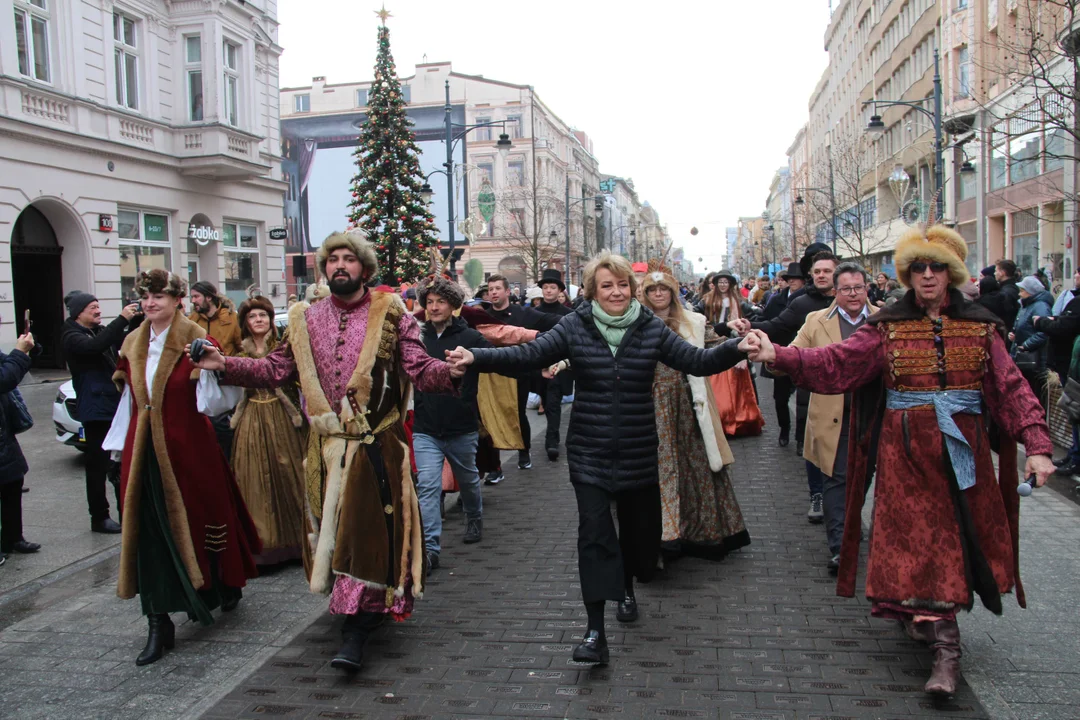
(159, 280)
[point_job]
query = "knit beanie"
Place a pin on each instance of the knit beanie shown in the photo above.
(1031, 285)
(988, 271)
(77, 301)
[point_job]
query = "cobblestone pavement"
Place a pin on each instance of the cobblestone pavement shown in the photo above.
(759, 636)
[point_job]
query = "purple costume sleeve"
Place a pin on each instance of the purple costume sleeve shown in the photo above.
(272, 371)
(835, 369)
(428, 374)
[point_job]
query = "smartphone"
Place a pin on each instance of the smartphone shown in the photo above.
(26, 321)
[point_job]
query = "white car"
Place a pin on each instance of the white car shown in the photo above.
(69, 431)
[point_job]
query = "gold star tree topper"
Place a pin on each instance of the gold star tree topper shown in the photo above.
(383, 14)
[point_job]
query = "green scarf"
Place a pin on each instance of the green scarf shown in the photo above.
(611, 327)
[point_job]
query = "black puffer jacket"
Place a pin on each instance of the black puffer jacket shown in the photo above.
(13, 367)
(612, 440)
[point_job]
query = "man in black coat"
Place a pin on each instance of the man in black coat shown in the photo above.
(1063, 331)
(553, 390)
(91, 352)
(446, 427)
(526, 317)
(820, 264)
(1006, 275)
(782, 385)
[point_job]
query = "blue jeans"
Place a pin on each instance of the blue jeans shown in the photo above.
(815, 481)
(460, 451)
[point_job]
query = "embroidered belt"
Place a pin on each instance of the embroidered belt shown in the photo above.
(946, 403)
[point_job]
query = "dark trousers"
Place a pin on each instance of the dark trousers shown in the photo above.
(361, 624)
(224, 433)
(553, 394)
(781, 392)
(523, 413)
(11, 530)
(834, 494)
(802, 411)
(97, 469)
(606, 558)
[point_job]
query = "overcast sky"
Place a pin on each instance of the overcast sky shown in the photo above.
(696, 100)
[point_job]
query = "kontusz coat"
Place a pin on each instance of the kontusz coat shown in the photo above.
(612, 441)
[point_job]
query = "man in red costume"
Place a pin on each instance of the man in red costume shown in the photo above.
(923, 371)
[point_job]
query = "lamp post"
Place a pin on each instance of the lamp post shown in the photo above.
(503, 146)
(832, 202)
(599, 206)
(876, 126)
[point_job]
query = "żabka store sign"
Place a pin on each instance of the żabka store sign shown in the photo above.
(202, 231)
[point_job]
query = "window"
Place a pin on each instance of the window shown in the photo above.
(963, 72)
(969, 181)
(967, 231)
(144, 245)
(302, 103)
(517, 222)
(361, 97)
(1055, 148)
(1025, 241)
(999, 164)
(515, 173)
(193, 68)
(32, 39)
(406, 94)
(231, 61)
(513, 126)
(487, 172)
(484, 133)
(126, 61)
(241, 244)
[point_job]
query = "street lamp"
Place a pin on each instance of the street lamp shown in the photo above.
(899, 182)
(426, 193)
(503, 146)
(566, 206)
(876, 126)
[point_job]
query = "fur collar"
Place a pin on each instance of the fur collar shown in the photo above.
(958, 308)
(137, 344)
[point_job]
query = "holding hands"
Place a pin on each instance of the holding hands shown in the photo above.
(459, 359)
(210, 358)
(740, 326)
(758, 347)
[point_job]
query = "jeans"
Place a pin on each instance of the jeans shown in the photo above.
(834, 497)
(1074, 451)
(814, 479)
(460, 451)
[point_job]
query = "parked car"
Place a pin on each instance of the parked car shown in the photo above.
(281, 321)
(69, 431)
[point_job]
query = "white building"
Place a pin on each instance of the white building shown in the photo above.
(135, 134)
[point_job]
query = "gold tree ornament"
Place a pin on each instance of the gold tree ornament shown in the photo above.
(383, 14)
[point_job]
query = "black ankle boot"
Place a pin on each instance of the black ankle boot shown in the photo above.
(162, 637)
(593, 649)
(627, 611)
(355, 632)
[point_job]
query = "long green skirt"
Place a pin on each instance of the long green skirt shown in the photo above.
(164, 585)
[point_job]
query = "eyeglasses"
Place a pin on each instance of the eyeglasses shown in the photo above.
(919, 267)
(851, 290)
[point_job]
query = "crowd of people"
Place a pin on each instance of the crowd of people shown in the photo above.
(234, 448)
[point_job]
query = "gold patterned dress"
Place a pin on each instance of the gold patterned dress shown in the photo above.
(268, 461)
(701, 515)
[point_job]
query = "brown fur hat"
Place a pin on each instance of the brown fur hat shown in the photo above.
(354, 240)
(159, 280)
(936, 243)
(443, 287)
(255, 303)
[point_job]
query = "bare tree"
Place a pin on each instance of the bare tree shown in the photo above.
(526, 214)
(849, 209)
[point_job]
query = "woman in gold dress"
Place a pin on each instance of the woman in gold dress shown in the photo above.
(701, 515)
(268, 458)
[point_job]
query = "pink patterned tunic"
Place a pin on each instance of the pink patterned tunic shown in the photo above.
(337, 331)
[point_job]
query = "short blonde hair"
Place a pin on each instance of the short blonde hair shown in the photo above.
(617, 265)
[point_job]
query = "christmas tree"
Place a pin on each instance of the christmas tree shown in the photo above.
(386, 200)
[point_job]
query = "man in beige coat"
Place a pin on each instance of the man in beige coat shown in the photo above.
(826, 440)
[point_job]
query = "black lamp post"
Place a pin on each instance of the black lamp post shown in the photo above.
(599, 206)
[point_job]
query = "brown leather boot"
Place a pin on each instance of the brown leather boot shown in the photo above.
(946, 670)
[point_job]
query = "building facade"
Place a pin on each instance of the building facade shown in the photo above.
(136, 135)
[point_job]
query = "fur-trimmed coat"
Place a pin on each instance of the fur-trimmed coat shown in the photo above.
(205, 509)
(712, 429)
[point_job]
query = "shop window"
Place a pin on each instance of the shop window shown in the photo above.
(144, 245)
(241, 244)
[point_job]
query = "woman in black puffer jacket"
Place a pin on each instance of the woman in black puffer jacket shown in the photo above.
(613, 344)
(13, 467)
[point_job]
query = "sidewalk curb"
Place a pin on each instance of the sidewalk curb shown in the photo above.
(255, 662)
(32, 586)
(991, 700)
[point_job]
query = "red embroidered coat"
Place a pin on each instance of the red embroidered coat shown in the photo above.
(917, 555)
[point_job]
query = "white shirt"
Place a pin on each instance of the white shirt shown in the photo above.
(858, 318)
(153, 358)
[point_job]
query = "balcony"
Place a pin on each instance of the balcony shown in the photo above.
(218, 152)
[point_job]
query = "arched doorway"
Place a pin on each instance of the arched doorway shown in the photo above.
(513, 268)
(37, 283)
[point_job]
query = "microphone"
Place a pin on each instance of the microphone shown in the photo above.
(1024, 489)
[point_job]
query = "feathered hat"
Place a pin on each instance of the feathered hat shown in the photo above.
(658, 273)
(440, 283)
(935, 243)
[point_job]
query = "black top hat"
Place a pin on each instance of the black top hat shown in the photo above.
(808, 256)
(551, 275)
(793, 271)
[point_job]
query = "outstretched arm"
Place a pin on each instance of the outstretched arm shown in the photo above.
(543, 352)
(680, 355)
(274, 370)
(428, 374)
(834, 369)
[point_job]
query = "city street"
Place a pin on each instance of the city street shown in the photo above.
(758, 636)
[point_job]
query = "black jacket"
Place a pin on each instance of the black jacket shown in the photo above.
(776, 304)
(1010, 302)
(525, 317)
(612, 440)
(441, 415)
(1063, 331)
(91, 356)
(555, 308)
(13, 367)
(784, 327)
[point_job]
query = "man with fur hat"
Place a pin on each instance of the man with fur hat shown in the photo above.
(445, 427)
(924, 373)
(356, 355)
